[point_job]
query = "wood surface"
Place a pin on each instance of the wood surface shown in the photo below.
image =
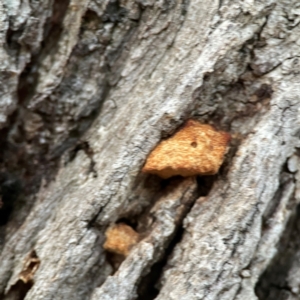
(89, 88)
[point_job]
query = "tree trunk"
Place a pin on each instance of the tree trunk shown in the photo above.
(88, 89)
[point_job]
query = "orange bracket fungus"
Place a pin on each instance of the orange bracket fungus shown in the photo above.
(196, 149)
(120, 238)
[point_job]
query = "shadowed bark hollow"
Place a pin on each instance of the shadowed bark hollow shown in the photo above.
(88, 88)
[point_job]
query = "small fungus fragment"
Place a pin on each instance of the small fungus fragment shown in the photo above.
(31, 264)
(196, 149)
(25, 279)
(120, 238)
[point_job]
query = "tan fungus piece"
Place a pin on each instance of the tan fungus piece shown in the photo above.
(120, 238)
(196, 149)
(31, 264)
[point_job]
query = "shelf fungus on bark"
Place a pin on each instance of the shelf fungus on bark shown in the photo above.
(196, 149)
(120, 238)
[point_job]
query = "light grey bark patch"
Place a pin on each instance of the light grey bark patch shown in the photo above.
(293, 163)
(280, 277)
(22, 34)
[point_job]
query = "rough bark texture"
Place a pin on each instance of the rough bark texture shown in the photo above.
(88, 89)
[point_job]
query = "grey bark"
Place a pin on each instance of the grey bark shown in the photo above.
(88, 89)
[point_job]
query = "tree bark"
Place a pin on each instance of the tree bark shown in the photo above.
(88, 89)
